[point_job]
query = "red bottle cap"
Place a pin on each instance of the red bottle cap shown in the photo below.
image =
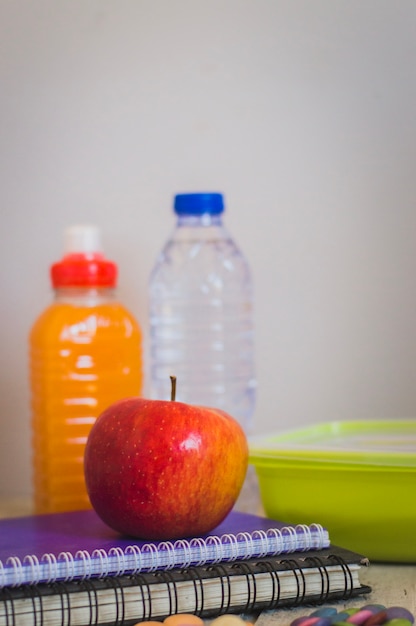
(84, 265)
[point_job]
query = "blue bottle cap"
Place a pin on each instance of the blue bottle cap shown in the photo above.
(199, 203)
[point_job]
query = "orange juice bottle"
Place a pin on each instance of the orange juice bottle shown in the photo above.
(85, 353)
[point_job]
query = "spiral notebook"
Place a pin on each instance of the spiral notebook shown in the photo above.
(77, 545)
(210, 590)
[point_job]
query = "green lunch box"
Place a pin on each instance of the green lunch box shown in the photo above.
(356, 478)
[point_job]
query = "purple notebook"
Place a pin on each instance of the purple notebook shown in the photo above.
(74, 545)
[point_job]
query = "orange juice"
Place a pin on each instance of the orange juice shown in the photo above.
(85, 353)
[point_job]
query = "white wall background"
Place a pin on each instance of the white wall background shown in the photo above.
(301, 111)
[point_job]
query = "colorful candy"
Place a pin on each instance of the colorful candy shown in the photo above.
(312, 620)
(398, 612)
(325, 611)
(359, 617)
(340, 617)
(368, 615)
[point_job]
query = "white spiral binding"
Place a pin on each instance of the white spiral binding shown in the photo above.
(199, 547)
(16, 564)
(68, 560)
(135, 553)
(51, 562)
(320, 532)
(104, 561)
(166, 555)
(33, 562)
(229, 541)
(275, 534)
(184, 545)
(84, 557)
(118, 554)
(247, 539)
(292, 538)
(169, 549)
(151, 549)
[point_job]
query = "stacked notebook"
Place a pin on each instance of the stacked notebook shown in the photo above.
(70, 568)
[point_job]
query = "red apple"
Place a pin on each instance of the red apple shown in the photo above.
(159, 469)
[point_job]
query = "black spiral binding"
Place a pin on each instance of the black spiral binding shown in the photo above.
(91, 591)
(60, 589)
(140, 582)
(198, 584)
(172, 589)
(251, 584)
(276, 589)
(319, 565)
(300, 586)
(34, 595)
(349, 583)
(224, 576)
(6, 596)
(119, 599)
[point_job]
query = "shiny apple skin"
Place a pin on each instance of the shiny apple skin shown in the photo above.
(158, 469)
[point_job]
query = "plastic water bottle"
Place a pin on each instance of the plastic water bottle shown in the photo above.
(85, 353)
(201, 313)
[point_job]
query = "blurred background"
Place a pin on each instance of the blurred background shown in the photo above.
(302, 112)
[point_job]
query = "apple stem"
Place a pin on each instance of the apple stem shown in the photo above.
(173, 388)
